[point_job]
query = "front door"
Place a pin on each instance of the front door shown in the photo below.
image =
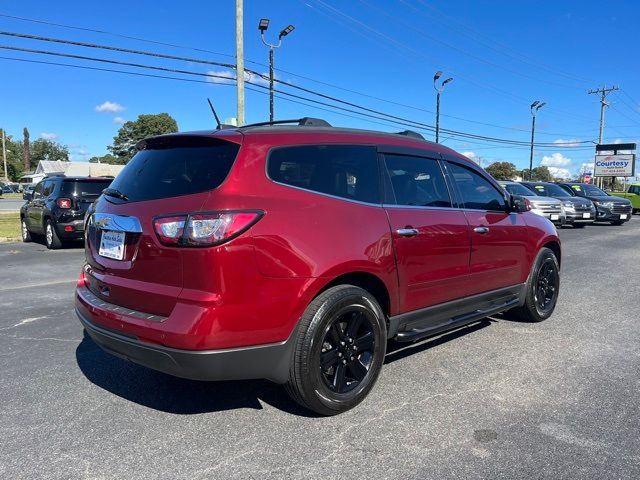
(498, 238)
(431, 239)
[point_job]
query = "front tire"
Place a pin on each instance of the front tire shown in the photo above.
(26, 234)
(543, 286)
(617, 223)
(341, 344)
(579, 225)
(51, 238)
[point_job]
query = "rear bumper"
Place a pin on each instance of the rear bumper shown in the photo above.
(269, 361)
(76, 232)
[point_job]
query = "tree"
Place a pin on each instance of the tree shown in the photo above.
(43, 149)
(108, 158)
(502, 170)
(14, 158)
(124, 143)
(26, 150)
(541, 174)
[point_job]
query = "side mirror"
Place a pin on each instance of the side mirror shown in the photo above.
(27, 196)
(518, 204)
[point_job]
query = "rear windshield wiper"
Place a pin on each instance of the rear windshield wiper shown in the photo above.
(112, 192)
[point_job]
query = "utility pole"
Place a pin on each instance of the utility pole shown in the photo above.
(263, 26)
(4, 158)
(535, 106)
(438, 92)
(603, 92)
(240, 61)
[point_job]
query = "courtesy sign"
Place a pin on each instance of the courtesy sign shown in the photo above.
(621, 165)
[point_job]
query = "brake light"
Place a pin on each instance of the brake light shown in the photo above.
(170, 229)
(64, 202)
(204, 229)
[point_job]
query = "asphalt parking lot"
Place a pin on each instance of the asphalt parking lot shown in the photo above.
(499, 399)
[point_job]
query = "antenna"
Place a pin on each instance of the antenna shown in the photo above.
(213, 110)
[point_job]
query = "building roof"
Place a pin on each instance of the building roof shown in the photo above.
(49, 167)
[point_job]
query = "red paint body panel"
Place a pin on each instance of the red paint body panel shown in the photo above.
(253, 289)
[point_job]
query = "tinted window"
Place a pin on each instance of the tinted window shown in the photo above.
(37, 192)
(177, 166)
(548, 190)
(476, 191)
(84, 188)
(47, 188)
(517, 189)
(417, 181)
(348, 171)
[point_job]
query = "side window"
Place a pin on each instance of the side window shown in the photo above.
(348, 171)
(476, 191)
(37, 192)
(417, 181)
(47, 188)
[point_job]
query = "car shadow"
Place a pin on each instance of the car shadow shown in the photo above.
(180, 396)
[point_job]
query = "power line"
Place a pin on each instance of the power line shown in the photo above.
(377, 114)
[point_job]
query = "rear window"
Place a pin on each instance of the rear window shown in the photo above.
(176, 166)
(347, 171)
(84, 188)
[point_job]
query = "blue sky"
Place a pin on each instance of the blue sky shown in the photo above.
(502, 55)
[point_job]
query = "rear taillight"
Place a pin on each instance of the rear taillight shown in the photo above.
(64, 202)
(204, 229)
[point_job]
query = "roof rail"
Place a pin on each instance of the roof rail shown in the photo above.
(411, 133)
(301, 122)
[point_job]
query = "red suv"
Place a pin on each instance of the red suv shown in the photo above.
(293, 253)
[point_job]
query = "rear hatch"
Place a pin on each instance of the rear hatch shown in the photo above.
(82, 193)
(171, 175)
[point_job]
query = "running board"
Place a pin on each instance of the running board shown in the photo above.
(435, 320)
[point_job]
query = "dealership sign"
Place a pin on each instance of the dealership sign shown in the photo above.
(620, 165)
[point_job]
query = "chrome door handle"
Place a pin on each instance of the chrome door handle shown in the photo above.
(407, 232)
(481, 230)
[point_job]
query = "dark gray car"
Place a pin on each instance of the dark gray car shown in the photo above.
(615, 210)
(579, 211)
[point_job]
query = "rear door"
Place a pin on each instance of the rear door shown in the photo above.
(170, 176)
(36, 206)
(498, 238)
(431, 238)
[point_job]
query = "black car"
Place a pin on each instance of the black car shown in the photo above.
(57, 206)
(615, 210)
(579, 211)
(27, 191)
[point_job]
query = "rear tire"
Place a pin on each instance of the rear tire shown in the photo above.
(543, 286)
(339, 350)
(51, 238)
(26, 234)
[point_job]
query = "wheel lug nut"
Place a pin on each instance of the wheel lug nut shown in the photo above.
(342, 343)
(339, 354)
(344, 362)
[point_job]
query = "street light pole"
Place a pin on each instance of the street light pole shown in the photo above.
(438, 92)
(240, 62)
(263, 26)
(535, 106)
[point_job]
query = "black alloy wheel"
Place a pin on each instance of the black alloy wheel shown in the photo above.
(347, 349)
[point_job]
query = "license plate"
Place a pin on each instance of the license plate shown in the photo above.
(623, 216)
(112, 245)
(555, 217)
(586, 215)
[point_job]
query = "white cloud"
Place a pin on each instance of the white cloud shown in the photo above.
(567, 143)
(560, 172)
(48, 136)
(471, 156)
(108, 106)
(555, 160)
(586, 167)
(227, 77)
(119, 120)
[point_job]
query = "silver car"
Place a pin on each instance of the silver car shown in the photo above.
(547, 207)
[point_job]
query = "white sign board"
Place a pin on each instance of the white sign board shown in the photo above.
(621, 165)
